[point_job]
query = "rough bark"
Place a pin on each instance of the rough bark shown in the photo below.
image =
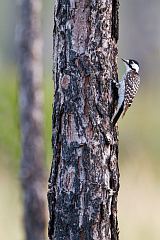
(84, 178)
(31, 100)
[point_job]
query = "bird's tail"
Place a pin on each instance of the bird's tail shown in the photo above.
(117, 115)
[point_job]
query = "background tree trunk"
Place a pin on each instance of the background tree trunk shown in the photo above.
(84, 179)
(32, 166)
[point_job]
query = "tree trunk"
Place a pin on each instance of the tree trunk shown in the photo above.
(32, 165)
(84, 179)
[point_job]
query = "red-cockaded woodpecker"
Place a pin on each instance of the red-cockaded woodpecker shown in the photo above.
(127, 88)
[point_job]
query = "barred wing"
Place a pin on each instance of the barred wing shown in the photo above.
(131, 88)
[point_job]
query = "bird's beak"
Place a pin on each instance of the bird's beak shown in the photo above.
(124, 60)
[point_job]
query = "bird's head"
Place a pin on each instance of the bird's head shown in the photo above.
(131, 65)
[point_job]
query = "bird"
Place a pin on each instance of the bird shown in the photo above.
(127, 88)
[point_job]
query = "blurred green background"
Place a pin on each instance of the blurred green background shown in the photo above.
(139, 195)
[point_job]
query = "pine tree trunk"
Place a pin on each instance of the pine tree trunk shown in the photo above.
(32, 165)
(84, 178)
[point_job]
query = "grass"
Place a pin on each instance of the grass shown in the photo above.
(139, 198)
(11, 218)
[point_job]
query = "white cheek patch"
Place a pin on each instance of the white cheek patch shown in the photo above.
(127, 67)
(136, 67)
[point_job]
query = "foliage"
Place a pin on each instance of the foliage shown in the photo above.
(10, 139)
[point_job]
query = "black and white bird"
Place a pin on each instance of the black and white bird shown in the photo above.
(127, 88)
